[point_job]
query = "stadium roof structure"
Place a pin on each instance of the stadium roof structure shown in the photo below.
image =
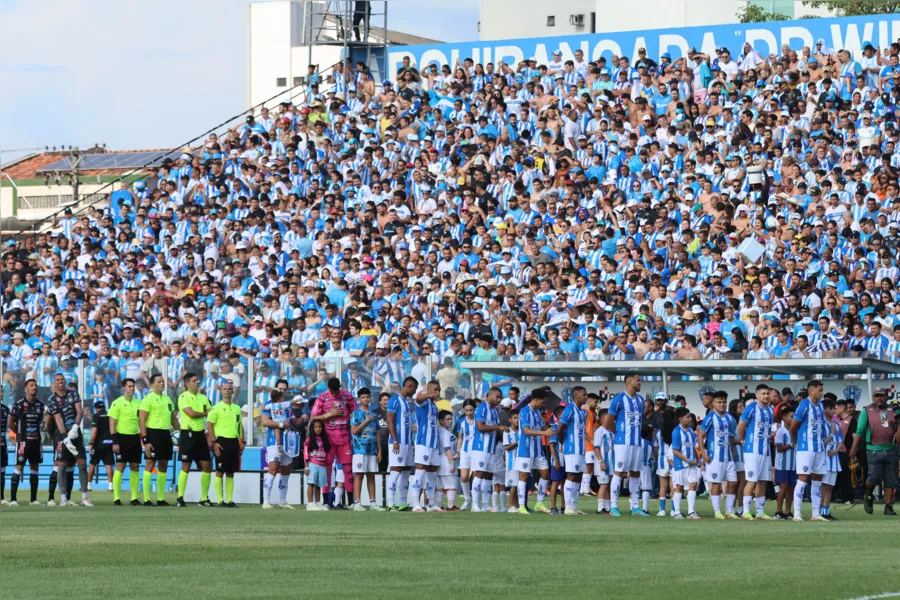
(802, 367)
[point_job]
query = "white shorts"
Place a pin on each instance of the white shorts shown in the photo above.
(430, 457)
(589, 460)
(403, 458)
(829, 478)
(465, 460)
(758, 467)
(739, 466)
(273, 455)
(628, 458)
(512, 478)
(482, 461)
(365, 463)
(527, 465)
(447, 482)
(499, 478)
(646, 478)
(574, 463)
(685, 476)
(717, 472)
(337, 475)
(811, 463)
(664, 472)
(603, 477)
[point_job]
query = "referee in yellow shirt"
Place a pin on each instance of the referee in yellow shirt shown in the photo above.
(124, 426)
(157, 418)
(225, 433)
(192, 409)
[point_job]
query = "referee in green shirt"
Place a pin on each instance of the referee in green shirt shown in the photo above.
(225, 432)
(125, 428)
(157, 418)
(192, 408)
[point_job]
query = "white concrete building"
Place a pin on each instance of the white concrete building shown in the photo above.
(515, 19)
(283, 35)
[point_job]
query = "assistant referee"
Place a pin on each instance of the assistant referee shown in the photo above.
(225, 433)
(192, 447)
(157, 416)
(125, 429)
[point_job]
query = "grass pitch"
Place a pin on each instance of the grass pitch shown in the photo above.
(136, 552)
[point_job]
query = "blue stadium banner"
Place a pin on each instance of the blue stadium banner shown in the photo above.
(766, 38)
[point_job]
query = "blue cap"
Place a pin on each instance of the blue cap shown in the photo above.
(666, 55)
(5, 348)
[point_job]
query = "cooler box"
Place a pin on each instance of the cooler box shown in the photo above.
(751, 250)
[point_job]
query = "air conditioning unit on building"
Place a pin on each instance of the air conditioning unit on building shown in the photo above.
(576, 20)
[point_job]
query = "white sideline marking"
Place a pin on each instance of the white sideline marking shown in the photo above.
(878, 596)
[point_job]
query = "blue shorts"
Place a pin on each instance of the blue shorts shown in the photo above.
(318, 476)
(786, 476)
(559, 475)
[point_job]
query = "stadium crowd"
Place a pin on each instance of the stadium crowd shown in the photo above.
(606, 210)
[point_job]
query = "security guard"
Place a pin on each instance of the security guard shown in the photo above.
(157, 416)
(125, 429)
(225, 432)
(192, 409)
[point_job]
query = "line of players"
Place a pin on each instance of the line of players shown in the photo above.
(495, 462)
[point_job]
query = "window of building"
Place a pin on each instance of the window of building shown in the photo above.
(551, 21)
(298, 81)
(281, 82)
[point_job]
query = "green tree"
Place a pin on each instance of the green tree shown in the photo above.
(850, 8)
(753, 13)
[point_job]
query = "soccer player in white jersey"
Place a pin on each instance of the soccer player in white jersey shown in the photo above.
(447, 470)
(571, 430)
(427, 447)
(510, 443)
(529, 454)
(487, 425)
(603, 464)
(465, 434)
(277, 418)
(833, 460)
(785, 463)
(686, 471)
(624, 417)
(714, 438)
(754, 430)
(810, 436)
(400, 439)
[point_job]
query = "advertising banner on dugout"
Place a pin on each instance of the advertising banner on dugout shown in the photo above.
(766, 38)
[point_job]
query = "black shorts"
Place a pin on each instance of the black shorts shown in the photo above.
(229, 460)
(29, 451)
(130, 449)
(4, 460)
(62, 453)
(161, 440)
(193, 447)
(102, 453)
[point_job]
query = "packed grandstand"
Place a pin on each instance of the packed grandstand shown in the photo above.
(733, 204)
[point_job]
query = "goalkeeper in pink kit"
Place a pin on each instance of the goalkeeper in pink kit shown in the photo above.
(334, 408)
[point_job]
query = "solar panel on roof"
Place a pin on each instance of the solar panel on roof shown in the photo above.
(114, 160)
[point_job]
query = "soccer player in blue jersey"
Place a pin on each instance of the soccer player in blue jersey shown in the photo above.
(465, 434)
(603, 464)
(277, 416)
(686, 471)
(624, 417)
(487, 425)
(366, 450)
(400, 457)
(572, 431)
(810, 435)
(785, 463)
(663, 466)
(529, 454)
(754, 430)
(427, 447)
(714, 438)
(833, 461)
